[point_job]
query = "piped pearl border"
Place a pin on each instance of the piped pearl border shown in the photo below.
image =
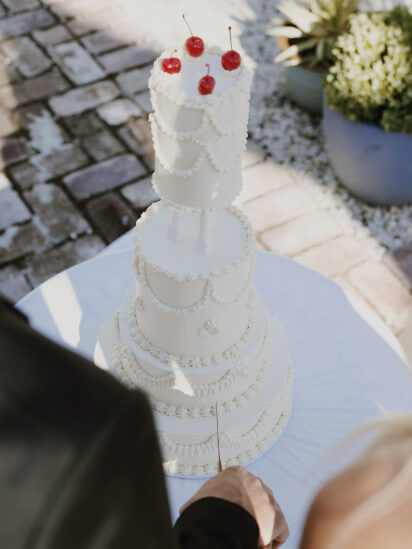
(245, 448)
(193, 362)
(154, 209)
(209, 292)
(120, 357)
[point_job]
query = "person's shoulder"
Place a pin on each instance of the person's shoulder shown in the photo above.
(53, 384)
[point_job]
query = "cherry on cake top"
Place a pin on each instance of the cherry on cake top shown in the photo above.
(171, 65)
(207, 83)
(194, 44)
(231, 59)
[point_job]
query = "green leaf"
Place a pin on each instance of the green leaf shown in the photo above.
(320, 48)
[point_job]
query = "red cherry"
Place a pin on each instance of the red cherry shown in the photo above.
(231, 59)
(207, 83)
(194, 45)
(171, 65)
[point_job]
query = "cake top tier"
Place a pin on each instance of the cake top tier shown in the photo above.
(183, 86)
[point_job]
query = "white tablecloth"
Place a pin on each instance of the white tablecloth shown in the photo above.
(345, 373)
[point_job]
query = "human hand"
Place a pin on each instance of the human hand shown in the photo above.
(235, 484)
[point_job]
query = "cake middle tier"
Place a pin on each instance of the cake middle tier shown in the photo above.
(192, 306)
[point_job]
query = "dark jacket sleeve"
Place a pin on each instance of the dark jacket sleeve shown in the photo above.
(115, 497)
(216, 523)
(80, 463)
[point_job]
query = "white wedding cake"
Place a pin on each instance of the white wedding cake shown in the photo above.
(193, 332)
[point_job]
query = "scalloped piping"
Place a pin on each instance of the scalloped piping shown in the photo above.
(206, 115)
(142, 277)
(131, 369)
(258, 445)
(155, 208)
(196, 362)
(228, 406)
(220, 301)
(209, 293)
(204, 155)
(157, 82)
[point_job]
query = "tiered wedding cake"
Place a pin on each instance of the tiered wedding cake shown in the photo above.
(193, 332)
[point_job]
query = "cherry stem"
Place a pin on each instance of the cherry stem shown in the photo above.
(230, 36)
(188, 26)
(208, 68)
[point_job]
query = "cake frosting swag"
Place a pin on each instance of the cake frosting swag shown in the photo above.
(193, 332)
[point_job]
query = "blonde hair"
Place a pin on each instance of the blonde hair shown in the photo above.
(394, 431)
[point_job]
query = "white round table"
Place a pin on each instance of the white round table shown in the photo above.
(344, 372)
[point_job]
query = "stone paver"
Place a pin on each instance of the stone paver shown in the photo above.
(12, 208)
(20, 5)
(7, 73)
(140, 131)
(34, 89)
(8, 122)
(25, 22)
(384, 291)
(140, 194)
(102, 145)
(252, 155)
(81, 99)
(144, 101)
(105, 176)
(78, 28)
(26, 113)
(111, 215)
(43, 168)
(76, 63)
(100, 42)
(335, 256)
(23, 54)
(83, 124)
(13, 283)
(263, 178)
(279, 206)
(12, 151)
(51, 36)
(400, 262)
(19, 240)
(127, 58)
(134, 81)
(46, 265)
(118, 112)
(301, 233)
(56, 212)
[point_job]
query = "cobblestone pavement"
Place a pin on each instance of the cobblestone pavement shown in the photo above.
(76, 158)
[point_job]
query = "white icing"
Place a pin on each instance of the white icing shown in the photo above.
(199, 140)
(193, 333)
(233, 242)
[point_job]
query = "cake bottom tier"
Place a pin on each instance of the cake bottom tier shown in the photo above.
(234, 430)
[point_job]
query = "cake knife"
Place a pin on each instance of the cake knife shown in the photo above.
(219, 461)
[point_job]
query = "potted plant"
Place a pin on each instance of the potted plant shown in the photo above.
(368, 107)
(306, 38)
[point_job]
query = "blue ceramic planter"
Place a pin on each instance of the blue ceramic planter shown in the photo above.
(375, 165)
(305, 87)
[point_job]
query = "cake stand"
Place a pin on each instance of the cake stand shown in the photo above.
(345, 371)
